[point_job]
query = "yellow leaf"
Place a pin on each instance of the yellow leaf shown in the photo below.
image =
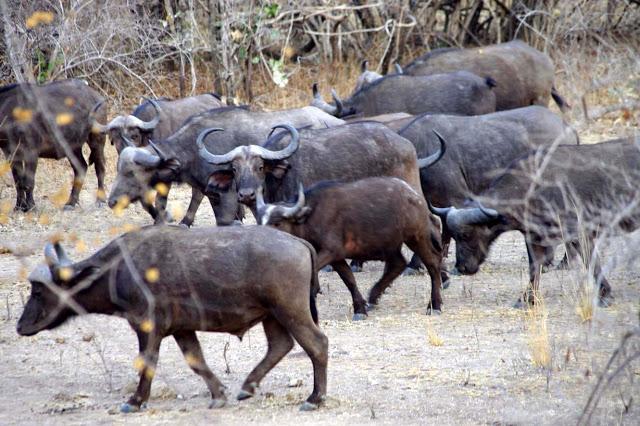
(149, 197)
(44, 220)
(39, 17)
(59, 199)
(22, 115)
(5, 207)
(149, 372)
(65, 273)
(162, 189)
(101, 195)
(69, 101)
(152, 275)
(56, 238)
(81, 246)
(122, 204)
(64, 119)
(176, 211)
(146, 326)
(138, 363)
(5, 167)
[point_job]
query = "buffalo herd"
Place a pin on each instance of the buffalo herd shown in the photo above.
(458, 144)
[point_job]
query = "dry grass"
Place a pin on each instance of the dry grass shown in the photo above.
(536, 320)
(585, 302)
(433, 337)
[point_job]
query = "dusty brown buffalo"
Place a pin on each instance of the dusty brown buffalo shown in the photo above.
(155, 119)
(368, 219)
(524, 75)
(49, 121)
(213, 279)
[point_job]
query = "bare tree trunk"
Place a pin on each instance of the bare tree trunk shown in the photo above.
(16, 47)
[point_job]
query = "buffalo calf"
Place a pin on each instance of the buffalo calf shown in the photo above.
(170, 281)
(368, 219)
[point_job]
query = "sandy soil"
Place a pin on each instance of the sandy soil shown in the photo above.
(384, 369)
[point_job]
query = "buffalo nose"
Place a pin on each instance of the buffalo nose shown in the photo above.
(246, 195)
(112, 203)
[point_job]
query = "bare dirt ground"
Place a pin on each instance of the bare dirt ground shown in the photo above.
(471, 365)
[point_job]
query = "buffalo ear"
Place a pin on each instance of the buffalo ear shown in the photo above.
(303, 214)
(277, 168)
(220, 180)
(168, 169)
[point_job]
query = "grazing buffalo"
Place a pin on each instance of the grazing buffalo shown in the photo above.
(155, 119)
(368, 219)
(175, 159)
(214, 279)
(457, 92)
(478, 148)
(554, 195)
(50, 121)
(524, 75)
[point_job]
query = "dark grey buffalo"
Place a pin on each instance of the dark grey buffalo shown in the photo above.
(459, 92)
(555, 195)
(50, 121)
(367, 76)
(170, 281)
(368, 219)
(524, 75)
(176, 159)
(155, 119)
(478, 148)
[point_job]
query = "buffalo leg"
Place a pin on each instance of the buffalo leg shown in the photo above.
(537, 256)
(196, 199)
(96, 144)
(604, 288)
(432, 258)
(346, 274)
(79, 171)
(572, 251)
(301, 326)
(393, 267)
(356, 265)
(279, 343)
(18, 171)
(161, 203)
(149, 344)
(190, 347)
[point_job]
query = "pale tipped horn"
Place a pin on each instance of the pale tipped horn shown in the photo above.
(214, 158)
(398, 68)
(145, 158)
(439, 211)
(62, 255)
(293, 210)
(287, 152)
(320, 103)
(339, 104)
(150, 125)
(429, 161)
(96, 126)
(50, 255)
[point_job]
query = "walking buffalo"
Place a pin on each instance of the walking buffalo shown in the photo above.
(216, 279)
(50, 121)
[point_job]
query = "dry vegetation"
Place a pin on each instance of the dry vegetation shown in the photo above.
(480, 362)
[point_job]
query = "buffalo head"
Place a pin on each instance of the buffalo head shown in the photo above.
(248, 165)
(473, 229)
(52, 288)
(128, 127)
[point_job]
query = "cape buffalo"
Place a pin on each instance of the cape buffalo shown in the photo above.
(457, 92)
(524, 75)
(478, 148)
(175, 159)
(339, 220)
(170, 281)
(554, 195)
(50, 121)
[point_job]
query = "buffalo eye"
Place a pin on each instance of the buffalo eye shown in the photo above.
(261, 168)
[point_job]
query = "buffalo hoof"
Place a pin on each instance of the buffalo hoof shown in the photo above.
(129, 408)
(446, 284)
(243, 394)
(431, 311)
(217, 403)
(69, 207)
(371, 306)
(409, 272)
(520, 305)
(309, 406)
(327, 268)
(183, 225)
(455, 272)
(359, 317)
(605, 302)
(356, 268)
(101, 204)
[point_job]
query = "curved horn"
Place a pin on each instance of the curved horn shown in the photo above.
(364, 65)
(145, 158)
(471, 216)
(158, 151)
(150, 125)
(439, 211)
(338, 101)
(213, 158)
(491, 213)
(293, 210)
(62, 255)
(320, 103)
(287, 152)
(95, 125)
(429, 161)
(50, 255)
(259, 199)
(398, 68)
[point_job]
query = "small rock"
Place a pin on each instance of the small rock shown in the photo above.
(163, 392)
(88, 337)
(295, 383)
(60, 340)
